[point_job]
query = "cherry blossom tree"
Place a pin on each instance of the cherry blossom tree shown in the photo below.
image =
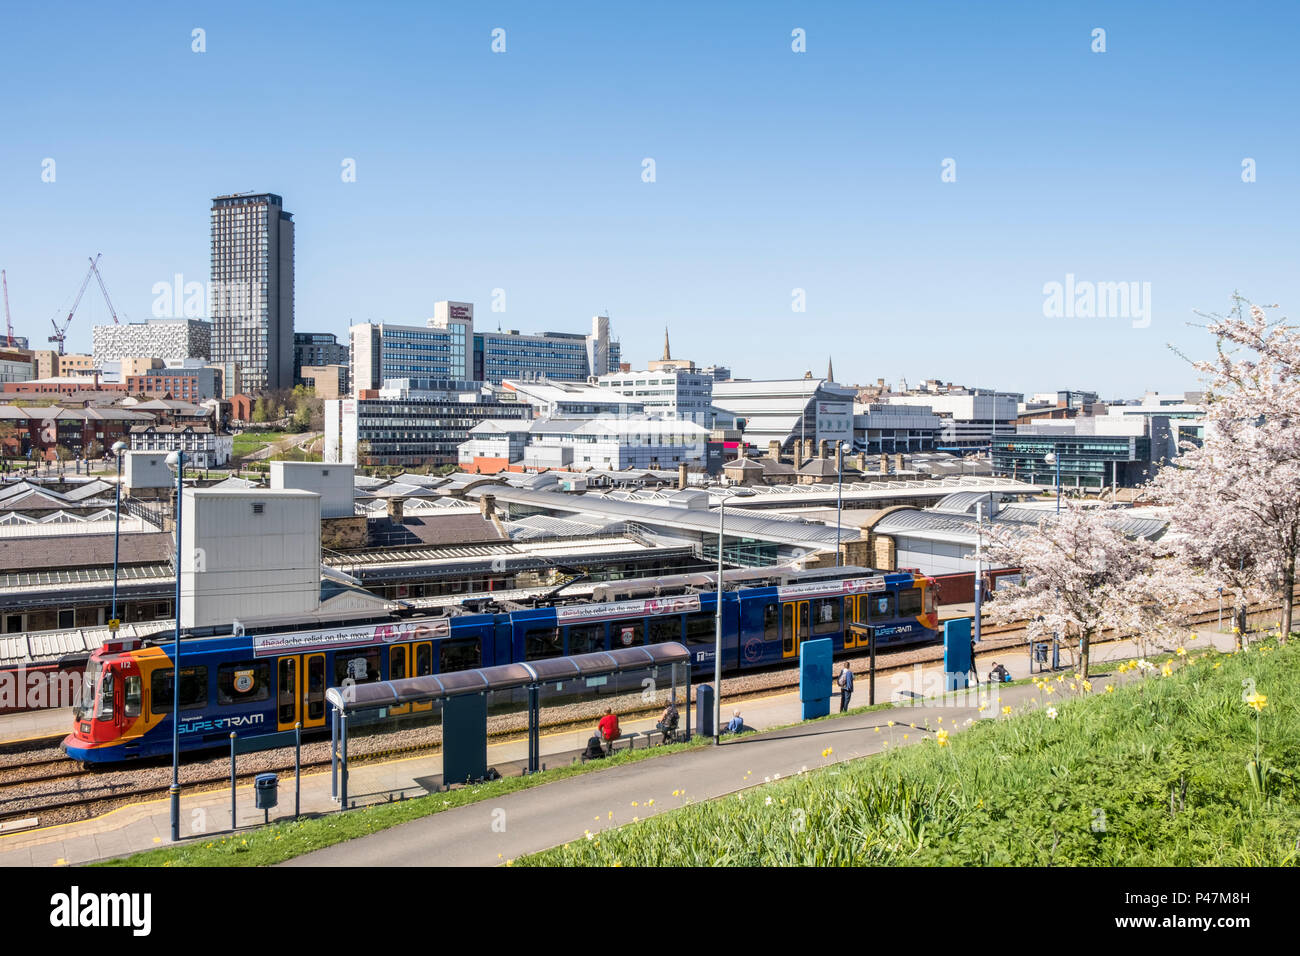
(1235, 500)
(1081, 575)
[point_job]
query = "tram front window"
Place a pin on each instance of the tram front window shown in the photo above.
(104, 711)
(89, 678)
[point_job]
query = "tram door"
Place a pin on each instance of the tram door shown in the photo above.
(300, 691)
(794, 627)
(855, 611)
(410, 660)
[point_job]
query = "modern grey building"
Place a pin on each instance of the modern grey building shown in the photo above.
(157, 338)
(313, 349)
(252, 288)
(788, 411)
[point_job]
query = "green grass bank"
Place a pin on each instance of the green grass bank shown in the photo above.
(1159, 772)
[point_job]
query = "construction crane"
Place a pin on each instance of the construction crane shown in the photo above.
(61, 333)
(9, 324)
(104, 289)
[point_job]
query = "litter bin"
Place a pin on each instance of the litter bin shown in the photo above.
(704, 710)
(266, 790)
(1040, 653)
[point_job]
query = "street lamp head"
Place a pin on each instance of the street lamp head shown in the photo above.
(174, 459)
(119, 447)
(1050, 458)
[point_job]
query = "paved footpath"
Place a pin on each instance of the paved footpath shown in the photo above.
(526, 821)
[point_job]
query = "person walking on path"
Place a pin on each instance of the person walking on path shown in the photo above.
(846, 687)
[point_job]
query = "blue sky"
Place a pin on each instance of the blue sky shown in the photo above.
(774, 170)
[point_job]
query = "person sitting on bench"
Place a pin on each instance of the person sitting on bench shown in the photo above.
(668, 722)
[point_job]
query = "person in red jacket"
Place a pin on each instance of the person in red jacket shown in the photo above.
(609, 726)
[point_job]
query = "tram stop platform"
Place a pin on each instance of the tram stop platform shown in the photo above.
(560, 811)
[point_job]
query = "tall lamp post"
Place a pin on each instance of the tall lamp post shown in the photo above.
(717, 647)
(118, 448)
(1054, 457)
(840, 448)
(176, 460)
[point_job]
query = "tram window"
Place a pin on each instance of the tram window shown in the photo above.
(772, 622)
(882, 606)
(909, 602)
(287, 682)
(626, 633)
(701, 629)
(458, 655)
(359, 667)
(826, 615)
(664, 629)
(316, 687)
(423, 659)
(542, 642)
(243, 682)
(194, 689)
(133, 697)
(104, 709)
(586, 638)
(396, 662)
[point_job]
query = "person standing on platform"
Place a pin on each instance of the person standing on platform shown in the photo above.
(846, 687)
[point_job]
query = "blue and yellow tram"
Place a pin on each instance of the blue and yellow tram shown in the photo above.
(266, 682)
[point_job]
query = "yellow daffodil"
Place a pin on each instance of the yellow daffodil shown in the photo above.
(1006, 709)
(1182, 651)
(1110, 688)
(1258, 701)
(1087, 685)
(1167, 670)
(942, 738)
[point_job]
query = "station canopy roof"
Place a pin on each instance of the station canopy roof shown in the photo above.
(439, 687)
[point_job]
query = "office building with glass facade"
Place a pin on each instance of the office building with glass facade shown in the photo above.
(412, 423)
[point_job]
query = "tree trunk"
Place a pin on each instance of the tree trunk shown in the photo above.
(1288, 593)
(1084, 650)
(1240, 616)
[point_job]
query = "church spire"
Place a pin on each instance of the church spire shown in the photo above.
(830, 369)
(667, 353)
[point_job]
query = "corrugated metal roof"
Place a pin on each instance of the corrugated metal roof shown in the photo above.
(935, 525)
(774, 528)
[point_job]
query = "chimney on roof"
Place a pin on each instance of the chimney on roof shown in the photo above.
(898, 461)
(774, 450)
(798, 455)
(823, 448)
(884, 463)
(395, 508)
(487, 506)
(681, 477)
